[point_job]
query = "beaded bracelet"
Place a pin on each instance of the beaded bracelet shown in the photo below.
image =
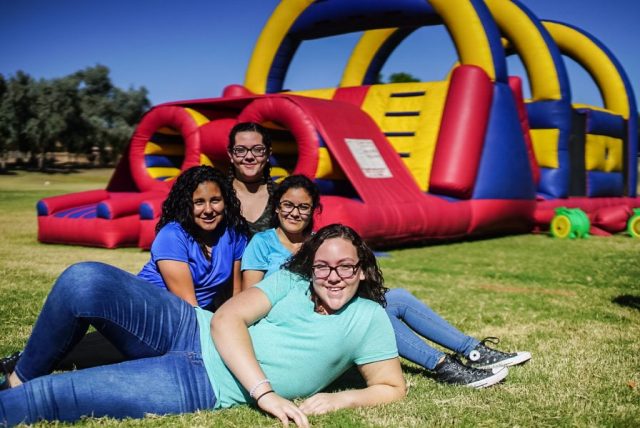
(255, 387)
(263, 394)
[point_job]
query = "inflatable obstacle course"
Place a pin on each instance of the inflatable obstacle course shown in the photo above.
(405, 162)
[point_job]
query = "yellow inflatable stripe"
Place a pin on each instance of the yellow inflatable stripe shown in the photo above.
(401, 144)
(545, 146)
(204, 160)
(152, 148)
(325, 93)
(327, 169)
(269, 41)
(603, 153)
(468, 33)
(362, 55)
(279, 172)
(531, 47)
(421, 146)
(157, 172)
(596, 62)
(198, 117)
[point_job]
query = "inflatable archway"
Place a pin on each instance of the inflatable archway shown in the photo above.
(398, 162)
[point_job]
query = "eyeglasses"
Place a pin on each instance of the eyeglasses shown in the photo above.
(343, 271)
(287, 207)
(241, 151)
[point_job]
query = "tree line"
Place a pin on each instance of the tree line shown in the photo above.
(82, 114)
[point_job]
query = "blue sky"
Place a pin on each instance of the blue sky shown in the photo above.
(193, 48)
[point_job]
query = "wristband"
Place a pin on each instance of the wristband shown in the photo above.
(255, 387)
(263, 394)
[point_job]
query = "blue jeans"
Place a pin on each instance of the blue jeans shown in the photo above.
(156, 331)
(410, 316)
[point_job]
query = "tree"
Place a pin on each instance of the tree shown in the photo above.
(4, 128)
(80, 111)
(402, 77)
(109, 112)
(15, 110)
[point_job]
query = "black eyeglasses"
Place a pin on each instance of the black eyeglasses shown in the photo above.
(343, 271)
(241, 151)
(287, 207)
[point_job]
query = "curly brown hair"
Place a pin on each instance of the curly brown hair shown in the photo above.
(178, 206)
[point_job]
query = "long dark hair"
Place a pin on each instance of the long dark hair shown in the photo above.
(266, 140)
(371, 287)
(178, 206)
(296, 182)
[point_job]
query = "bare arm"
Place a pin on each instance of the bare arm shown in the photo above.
(251, 278)
(178, 278)
(385, 384)
(237, 277)
(231, 338)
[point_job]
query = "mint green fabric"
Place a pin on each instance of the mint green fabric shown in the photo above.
(300, 351)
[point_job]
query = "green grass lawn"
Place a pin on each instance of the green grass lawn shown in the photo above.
(575, 305)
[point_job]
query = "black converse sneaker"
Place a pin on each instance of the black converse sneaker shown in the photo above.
(453, 371)
(483, 357)
(8, 364)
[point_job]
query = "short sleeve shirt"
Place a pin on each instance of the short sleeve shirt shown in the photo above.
(265, 253)
(209, 276)
(301, 351)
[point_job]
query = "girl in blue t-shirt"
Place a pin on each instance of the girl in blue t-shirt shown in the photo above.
(199, 242)
(296, 201)
(196, 255)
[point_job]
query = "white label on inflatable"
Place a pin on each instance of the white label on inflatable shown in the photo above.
(368, 157)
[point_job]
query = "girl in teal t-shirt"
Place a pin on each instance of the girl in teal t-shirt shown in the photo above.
(286, 338)
(296, 201)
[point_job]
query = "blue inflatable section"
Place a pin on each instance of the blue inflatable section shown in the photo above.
(504, 140)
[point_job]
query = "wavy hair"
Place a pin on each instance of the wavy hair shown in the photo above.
(178, 206)
(371, 287)
(296, 182)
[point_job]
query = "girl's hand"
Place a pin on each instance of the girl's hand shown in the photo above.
(321, 403)
(283, 409)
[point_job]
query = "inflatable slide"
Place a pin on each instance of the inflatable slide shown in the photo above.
(404, 162)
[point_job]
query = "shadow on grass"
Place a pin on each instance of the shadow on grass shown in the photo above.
(352, 378)
(628, 301)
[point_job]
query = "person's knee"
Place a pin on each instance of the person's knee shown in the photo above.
(396, 295)
(80, 280)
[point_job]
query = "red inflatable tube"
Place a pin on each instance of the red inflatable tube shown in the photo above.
(53, 204)
(214, 137)
(150, 211)
(295, 119)
(96, 232)
(611, 219)
(463, 128)
(170, 116)
(121, 205)
(515, 83)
